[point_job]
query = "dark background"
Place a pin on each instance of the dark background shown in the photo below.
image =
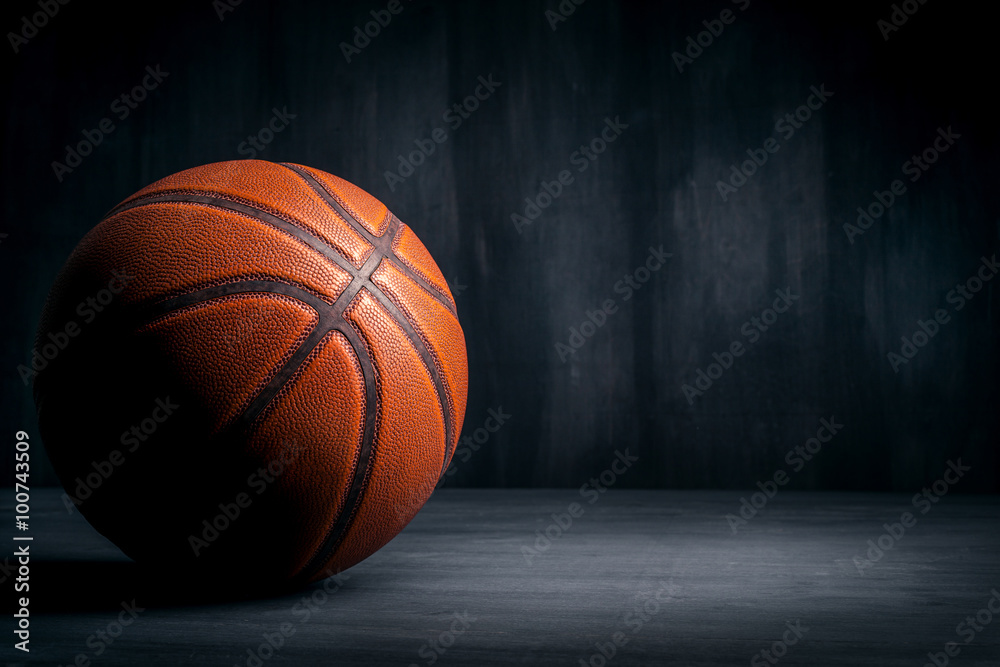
(518, 294)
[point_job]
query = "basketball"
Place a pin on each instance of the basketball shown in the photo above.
(250, 369)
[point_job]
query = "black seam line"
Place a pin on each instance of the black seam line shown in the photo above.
(333, 314)
(318, 188)
(383, 245)
(306, 237)
(238, 287)
(378, 241)
(425, 354)
(291, 365)
(433, 291)
(324, 327)
(338, 529)
(331, 319)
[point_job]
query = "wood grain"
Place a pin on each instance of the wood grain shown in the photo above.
(724, 596)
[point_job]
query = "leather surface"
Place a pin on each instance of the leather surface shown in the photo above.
(407, 460)
(179, 247)
(328, 427)
(278, 191)
(413, 254)
(251, 332)
(438, 329)
(370, 212)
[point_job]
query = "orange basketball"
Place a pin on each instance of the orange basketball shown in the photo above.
(250, 369)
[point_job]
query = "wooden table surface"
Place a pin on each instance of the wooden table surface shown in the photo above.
(661, 572)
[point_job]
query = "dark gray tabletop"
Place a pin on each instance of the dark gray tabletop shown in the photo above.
(636, 578)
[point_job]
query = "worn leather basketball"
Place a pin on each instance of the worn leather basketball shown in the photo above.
(250, 369)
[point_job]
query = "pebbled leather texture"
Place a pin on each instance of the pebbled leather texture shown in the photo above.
(414, 255)
(298, 327)
(368, 211)
(441, 333)
(276, 190)
(398, 473)
(247, 331)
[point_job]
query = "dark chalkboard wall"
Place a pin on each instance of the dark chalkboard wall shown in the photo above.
(638, 238)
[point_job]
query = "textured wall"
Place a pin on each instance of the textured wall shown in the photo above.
(521, 287)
